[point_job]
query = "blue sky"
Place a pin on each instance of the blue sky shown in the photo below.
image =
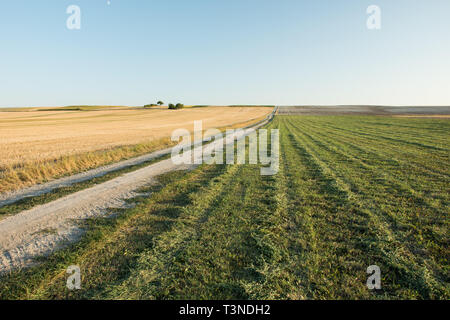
(134, 52)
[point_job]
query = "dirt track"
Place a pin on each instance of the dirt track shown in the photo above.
(36, 190)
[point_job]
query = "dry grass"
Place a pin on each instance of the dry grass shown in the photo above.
(40, 145)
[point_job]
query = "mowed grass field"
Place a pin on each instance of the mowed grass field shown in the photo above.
(352, 191)
(38, 145)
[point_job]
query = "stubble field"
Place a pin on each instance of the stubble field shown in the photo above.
(36, 146)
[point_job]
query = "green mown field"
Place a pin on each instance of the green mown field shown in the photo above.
(352, 191)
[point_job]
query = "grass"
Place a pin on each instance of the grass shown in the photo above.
(351, 192)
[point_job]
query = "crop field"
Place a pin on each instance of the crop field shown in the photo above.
(352, 191)
(37, 145)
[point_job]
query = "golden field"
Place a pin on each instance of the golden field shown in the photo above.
(36, 146)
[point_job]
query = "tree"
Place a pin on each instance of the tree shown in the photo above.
(160, 103)
(175, 107)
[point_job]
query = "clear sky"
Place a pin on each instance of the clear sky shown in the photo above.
(133, 52)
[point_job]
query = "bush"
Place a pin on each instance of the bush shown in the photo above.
(175, 107)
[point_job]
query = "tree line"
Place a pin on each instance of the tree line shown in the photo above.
(171, 105)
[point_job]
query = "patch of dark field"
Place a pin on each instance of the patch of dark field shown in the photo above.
(341, 201)
(366, 110)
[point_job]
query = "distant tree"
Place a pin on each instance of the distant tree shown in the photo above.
(160, 103)
(175, 107)
(150, 105)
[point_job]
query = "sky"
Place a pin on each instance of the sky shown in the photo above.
(222, 52)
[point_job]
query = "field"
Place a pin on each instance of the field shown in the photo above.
(352, 191)
(416, 111)
(38, 145)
